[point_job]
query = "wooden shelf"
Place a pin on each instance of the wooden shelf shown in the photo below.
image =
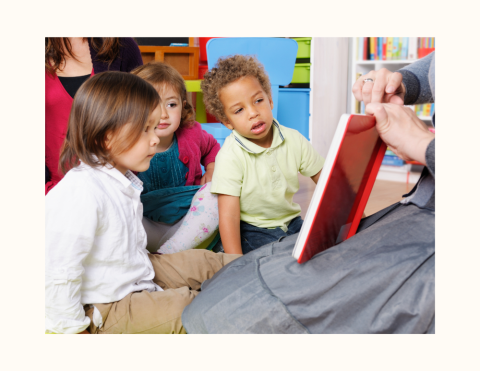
(183, 58)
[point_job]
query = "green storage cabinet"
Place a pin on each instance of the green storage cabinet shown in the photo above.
(303, 46)
(301, 73)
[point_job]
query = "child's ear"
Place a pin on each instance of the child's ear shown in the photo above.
(228, 125)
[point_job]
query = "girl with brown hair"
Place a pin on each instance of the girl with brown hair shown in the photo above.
(69, 62)
(179, 211)
(98, 274)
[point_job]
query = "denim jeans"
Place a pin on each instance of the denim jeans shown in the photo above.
(254, 237)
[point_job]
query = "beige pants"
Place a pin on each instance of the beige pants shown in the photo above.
(159, 312)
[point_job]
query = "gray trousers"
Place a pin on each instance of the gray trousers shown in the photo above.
(382, 280)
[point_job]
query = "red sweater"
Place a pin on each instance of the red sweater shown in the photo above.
(196, 147)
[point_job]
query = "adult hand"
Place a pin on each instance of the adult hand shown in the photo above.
(387, 87)
(401, 129)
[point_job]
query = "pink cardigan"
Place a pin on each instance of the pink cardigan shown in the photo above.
(196, 146)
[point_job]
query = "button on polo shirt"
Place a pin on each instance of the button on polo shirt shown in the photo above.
(265, 179)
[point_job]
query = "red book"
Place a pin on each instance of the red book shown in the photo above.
(384, 48)
(343, 188)
(365, 48)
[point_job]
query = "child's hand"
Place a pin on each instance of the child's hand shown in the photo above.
(207, 177)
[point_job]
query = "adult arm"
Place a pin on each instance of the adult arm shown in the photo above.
(70, 226)
(229, 223)
(419, 81)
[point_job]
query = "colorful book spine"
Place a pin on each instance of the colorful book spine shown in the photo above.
(404, 52)
(379, 48)
(384, 48)
(372, 48)
(389, 48)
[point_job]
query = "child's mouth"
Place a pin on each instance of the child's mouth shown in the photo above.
(258, 127)
(162, 126)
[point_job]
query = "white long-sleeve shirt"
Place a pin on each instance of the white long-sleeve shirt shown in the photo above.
(94, 245)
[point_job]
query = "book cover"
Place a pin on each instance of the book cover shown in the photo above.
(344, 186)
(389, 48)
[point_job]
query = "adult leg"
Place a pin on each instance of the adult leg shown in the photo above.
(382, 280)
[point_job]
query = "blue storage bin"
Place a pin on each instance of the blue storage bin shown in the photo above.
(219, 131)
(293, 109)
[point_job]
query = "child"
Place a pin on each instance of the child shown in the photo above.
(256, 171)
(98, 274)
(175, 175)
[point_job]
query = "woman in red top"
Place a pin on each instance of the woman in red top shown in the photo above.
(68, 63)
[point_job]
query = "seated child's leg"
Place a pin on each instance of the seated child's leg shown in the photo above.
(254, 237)
(144, 312)
(200, 223)
(158, 233)
(187, 268)
(160, 312)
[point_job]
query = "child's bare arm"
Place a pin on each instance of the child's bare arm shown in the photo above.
(316, 176)
(207, 177)
(229, 222)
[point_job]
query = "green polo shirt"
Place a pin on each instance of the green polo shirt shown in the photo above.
(265, 179)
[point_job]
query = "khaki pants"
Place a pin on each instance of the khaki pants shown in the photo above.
(180, 275)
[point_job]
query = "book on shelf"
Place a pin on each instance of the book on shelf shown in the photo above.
(426, 109)
(394, 48)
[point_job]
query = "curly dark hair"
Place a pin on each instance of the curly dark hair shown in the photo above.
(226, 71)
(160, 74)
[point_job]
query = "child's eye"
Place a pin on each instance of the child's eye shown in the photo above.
(238, 110)
(259, 100)
(172, 105)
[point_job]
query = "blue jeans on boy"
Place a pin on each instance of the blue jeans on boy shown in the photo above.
(254, 237)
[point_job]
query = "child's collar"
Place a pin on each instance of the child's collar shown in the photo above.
(251, 147)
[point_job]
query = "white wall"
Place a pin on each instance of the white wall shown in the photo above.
(329, 84)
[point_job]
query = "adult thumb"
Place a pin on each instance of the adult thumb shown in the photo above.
(378, 110)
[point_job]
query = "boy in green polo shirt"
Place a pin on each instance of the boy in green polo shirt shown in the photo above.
(256, 170)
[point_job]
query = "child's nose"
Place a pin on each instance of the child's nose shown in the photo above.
(253, 112)
(154, 140)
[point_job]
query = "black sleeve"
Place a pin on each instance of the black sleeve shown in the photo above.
(430, 157)
(131, 56)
